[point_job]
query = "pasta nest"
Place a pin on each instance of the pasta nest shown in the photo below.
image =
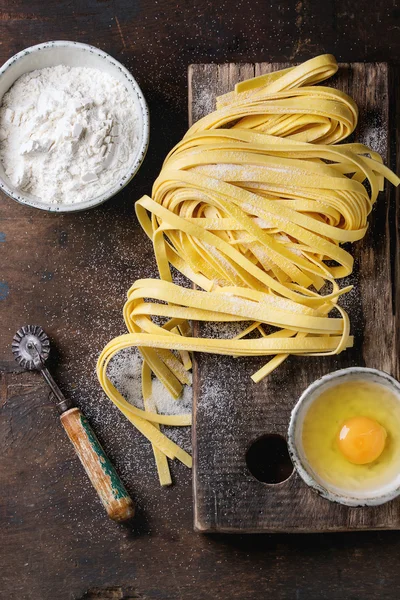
(252, 206)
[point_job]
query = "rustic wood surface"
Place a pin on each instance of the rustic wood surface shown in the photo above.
(70, 274)
(231, 412)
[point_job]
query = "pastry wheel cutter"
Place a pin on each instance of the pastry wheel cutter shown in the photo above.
(31, 348)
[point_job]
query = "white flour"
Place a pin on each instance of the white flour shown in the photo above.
(125, 372)
(67, 134)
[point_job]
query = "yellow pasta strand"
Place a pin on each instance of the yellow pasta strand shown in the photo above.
(252, 206)
(163, 471)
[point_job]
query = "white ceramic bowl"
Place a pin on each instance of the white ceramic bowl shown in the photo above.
(74, 54)
(350, 498)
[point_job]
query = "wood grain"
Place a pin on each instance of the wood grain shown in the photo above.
(231, 412)
(70, 273)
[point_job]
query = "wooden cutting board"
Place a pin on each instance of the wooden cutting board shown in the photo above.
(231, 412)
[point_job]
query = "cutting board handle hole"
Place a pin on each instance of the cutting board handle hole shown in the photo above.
(268, 459)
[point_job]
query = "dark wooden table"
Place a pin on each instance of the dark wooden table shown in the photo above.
(70, 274)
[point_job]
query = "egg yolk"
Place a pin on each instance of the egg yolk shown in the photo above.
(361, 440)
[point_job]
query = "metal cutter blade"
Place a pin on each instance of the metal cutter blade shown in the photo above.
(24, 341)
(31, 347)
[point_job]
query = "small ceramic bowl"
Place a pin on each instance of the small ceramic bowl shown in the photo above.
(349, 498)
(74, 54)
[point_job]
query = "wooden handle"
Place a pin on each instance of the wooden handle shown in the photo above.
(105, 480)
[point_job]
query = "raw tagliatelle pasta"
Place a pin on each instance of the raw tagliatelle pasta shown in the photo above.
(252, 206)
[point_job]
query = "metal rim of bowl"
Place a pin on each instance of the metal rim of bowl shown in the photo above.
(298, 463)
(140, 154)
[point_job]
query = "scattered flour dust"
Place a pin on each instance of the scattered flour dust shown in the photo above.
(125, 372)
(67, 134)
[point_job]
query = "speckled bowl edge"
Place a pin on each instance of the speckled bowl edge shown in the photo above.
(297, 460)
(141, 152)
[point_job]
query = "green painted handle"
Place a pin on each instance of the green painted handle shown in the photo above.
(101, 472)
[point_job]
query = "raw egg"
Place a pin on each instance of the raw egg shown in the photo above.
(351, 436)
(361, 440)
